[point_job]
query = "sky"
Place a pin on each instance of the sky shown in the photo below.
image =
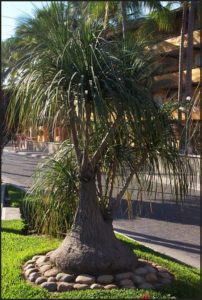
(11, 10)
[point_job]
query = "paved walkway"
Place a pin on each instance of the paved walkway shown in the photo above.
(10, 213)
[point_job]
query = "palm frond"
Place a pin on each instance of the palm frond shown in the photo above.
(60, 64)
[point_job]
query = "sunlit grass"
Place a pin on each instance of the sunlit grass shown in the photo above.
(18, 247)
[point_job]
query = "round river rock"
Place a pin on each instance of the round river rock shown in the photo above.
(50, 286)
(110, 286)
(40, 280)
(151, 277)
(122, 276)
(65, 286)
(147, 275)
(81, 286)
(65, 277)
(105, 279)
(95, 286)
(52, 272)
(33, 276)
(52, 279)
(85, 279)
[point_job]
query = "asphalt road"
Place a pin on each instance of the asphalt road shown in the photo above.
(18, 169)
(169, 228)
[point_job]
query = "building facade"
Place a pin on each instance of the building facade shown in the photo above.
(166, 81)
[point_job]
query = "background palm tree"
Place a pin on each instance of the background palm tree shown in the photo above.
(117, 129)
(181, 66)
(119, 15)
(8, 60)
(187, 26)
(189, 56)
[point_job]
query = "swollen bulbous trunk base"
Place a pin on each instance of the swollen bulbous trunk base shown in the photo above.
(96, 257)
(91, 247)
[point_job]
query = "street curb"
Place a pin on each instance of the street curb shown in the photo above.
(14, 183)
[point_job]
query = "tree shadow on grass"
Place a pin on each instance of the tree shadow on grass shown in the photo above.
(179, 286)
(22, 231)
(142, 248)
(180, 289)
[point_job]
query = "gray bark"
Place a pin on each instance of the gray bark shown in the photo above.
(91, 247)
(188, 89)
(106, 18)
(181, 56)
(190, 50)
(181, 61)
(124, 19)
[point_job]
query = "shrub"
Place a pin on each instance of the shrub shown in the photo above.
(50, 204)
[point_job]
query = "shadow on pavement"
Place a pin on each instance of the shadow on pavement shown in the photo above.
(142, 248)
(16, 174)
(27, 163)
(162, 242)
(188, 213)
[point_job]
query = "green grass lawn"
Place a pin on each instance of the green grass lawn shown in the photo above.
(18, 247)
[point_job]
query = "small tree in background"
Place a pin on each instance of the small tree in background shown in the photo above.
(8, 60)
(5, 133)
(117, 129)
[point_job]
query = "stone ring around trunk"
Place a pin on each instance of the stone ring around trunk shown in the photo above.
(147, 275)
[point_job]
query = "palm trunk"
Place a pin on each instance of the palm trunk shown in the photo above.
(188, 89)
(1, 153)
(181, 56)
(190, 51)
(106, 18)
(124, 19)
(180, 79)
(91, 247)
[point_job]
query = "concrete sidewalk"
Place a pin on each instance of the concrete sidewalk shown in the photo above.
(26, 152)
(10, 213)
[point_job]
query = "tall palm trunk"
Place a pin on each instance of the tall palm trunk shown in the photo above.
(181, 57)
(106, 17)
(188, 91)
(189, 64)
(124, 19)
(91, 247)
(181, 63)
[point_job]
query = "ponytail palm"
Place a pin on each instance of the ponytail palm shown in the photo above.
(117, 129)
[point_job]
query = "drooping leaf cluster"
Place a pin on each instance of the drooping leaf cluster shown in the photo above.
(51, 202)
(69, 72)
